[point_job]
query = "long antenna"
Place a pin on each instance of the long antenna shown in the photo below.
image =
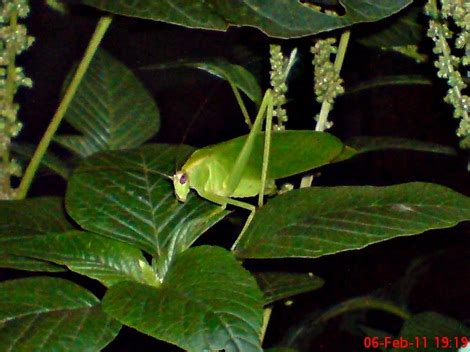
(195, 118)
(111, 168)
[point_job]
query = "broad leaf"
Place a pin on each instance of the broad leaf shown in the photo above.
(121, 195)
(206, 302)
(280, 285)
(327, 220)
(50, 314)
(384, 81)
(20, 219)
(28, 218)
(104, 259)
(11, 261)
(49, 160)
(236, 75)
(111, 108)
(441, 332)
(363, 144)
(281, 18)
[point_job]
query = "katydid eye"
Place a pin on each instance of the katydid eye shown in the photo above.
(183, 179)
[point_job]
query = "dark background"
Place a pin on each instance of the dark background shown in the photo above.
(199, 109)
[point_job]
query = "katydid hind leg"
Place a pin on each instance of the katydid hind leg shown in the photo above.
(235, 175)
(266, 150)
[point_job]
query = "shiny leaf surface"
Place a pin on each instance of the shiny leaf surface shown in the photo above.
(51, 314)
(104, 259)
(124, 196)
(111, 108)
(206, 302)
(326, 220)
(281, 18)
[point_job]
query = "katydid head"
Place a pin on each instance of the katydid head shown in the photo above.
(181, 185)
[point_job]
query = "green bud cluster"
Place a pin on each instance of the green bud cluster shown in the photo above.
(327, 82)
(280, 68)
(14, 40)
(449, 65)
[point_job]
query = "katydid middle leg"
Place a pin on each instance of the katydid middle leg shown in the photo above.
(223, 201)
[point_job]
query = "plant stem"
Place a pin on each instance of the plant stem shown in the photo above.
(10, 86)
(326, 106)
(433, 5)
(358, 303)
(266, 316)
(363, 303)
(11, 69)
(306, 181)
(33, 165)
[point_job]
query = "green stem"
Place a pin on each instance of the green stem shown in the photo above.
(363, 303)
(11, 69)
(266, 317)
(10, 86)
(98, 35)
(326, 107)
(306, 181)
(434, 8)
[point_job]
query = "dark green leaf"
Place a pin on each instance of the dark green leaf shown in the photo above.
(20, 219)
(121, 195)
(206, 302)
(49, 160)
(281, 18)
(280, 285)
(345, 154)
(236, 75)
(402, 29)
(104, 259)
(327, 220)
(28, 218)
(384, 81)
(365, 144)
(11, 261)
(434, 326)
(50, 314)
(112, 109)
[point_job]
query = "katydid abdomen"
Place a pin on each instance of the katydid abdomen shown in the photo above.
(292, 152)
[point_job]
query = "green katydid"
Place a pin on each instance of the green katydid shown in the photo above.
(242, 167)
